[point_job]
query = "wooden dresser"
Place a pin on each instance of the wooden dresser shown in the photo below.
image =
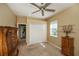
(8, 41)
(67, 46)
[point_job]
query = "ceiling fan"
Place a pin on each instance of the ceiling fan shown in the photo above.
(42, 8)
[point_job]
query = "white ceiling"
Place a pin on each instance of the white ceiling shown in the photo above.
(26, 9)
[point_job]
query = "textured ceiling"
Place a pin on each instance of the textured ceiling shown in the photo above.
(26, 9)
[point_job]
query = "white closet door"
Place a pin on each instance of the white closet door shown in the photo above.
(38, 33)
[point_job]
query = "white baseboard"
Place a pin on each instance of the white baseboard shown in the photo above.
(28, 44)
(55, 45)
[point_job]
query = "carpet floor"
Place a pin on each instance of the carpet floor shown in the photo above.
(39, 49)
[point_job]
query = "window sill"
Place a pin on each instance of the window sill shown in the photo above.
(53, 36)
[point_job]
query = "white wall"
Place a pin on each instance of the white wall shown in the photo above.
(7, 18)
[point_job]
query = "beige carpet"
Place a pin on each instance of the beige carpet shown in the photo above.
(40, 49)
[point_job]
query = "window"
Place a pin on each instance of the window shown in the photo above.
(53, 28)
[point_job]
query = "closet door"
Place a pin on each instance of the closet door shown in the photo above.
(37, 33)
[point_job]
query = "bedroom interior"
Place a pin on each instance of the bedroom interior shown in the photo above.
(39, 29)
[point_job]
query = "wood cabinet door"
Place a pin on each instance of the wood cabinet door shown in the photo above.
(67, 46)
(1, 43)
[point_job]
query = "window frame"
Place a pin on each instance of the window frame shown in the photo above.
(54, 22)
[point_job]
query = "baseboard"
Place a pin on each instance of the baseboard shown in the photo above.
(54, 45)
(28, 44)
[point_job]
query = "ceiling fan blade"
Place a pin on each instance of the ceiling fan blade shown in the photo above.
(35, 5)
(42, 12)
(46, 5)
(51, 10)
(35, 11)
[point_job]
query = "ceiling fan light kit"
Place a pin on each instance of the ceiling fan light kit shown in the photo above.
(42, 8)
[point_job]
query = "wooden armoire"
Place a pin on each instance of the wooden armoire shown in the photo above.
(67, 46)
(8, 41)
